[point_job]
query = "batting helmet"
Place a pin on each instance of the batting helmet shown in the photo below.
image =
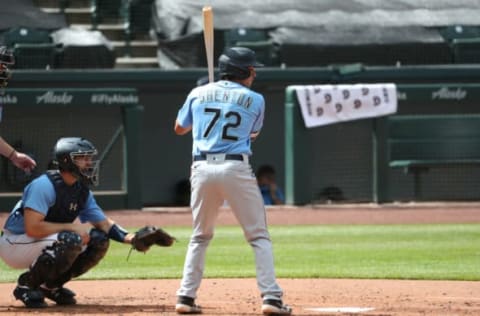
(77, 156)
(235, 62)
(6, 59)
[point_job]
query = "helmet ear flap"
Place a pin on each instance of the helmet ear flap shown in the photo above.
(63, 163)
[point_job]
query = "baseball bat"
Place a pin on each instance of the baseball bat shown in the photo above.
(208, 38)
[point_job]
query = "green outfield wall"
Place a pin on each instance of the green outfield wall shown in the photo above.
(164, 158)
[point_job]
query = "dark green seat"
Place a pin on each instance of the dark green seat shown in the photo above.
(255, 39)
(91, 56)
(466, 50)
(36, 56)
(418, 143)
(452, 32)
(24, 35)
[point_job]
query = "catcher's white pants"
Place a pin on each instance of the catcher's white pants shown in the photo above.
(213, 182)
(20, 251)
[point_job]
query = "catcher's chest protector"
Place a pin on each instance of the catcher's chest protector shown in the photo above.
(69, 199)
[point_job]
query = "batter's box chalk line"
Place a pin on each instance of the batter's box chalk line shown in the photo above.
(351, 310)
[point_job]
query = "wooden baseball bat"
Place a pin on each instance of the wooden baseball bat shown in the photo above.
(208, 38)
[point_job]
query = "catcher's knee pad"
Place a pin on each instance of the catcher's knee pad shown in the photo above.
(96, 249)
(56, 258)
(70, 239)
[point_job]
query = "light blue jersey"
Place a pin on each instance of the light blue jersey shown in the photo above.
(222, 114)
(40, 195)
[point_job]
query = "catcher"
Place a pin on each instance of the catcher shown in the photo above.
(41, 233)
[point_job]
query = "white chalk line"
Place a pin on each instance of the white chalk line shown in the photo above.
(340, 309)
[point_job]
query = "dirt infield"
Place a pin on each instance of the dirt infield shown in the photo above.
(307, 296)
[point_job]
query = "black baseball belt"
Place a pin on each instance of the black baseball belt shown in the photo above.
(227, 157)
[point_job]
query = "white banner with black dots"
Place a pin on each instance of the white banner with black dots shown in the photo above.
(328, 104)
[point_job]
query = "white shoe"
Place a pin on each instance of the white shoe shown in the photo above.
(186, 305)
(272, 307)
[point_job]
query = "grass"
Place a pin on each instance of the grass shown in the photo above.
(435, 252)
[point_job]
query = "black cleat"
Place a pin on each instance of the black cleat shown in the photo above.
(30, 297)
(275, 308)
(186, 305)
(61, 295)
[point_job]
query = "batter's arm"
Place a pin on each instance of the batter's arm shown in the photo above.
(179, 130)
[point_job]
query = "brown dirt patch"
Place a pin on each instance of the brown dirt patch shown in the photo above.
(240, 296)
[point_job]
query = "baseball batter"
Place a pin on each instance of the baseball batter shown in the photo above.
(225, 117)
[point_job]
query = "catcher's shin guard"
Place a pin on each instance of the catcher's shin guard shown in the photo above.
(96, 249)
(54, 260)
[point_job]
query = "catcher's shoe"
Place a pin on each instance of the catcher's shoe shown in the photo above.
(32, 298)
(275, 308)
(186, 305)
(61, 295)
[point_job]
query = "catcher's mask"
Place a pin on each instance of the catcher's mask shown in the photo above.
(6, 59)
(235, 63)
(79, 157)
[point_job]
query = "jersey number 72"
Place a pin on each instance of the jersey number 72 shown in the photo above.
(234, 119)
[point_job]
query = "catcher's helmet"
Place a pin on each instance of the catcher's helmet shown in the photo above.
(6, 56)
(78, 156)
(6, 59)
(235, 62)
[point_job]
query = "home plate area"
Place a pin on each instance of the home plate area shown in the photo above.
(349, 310)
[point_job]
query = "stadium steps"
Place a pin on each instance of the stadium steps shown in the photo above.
(137, 48)
(57, 3)
(73, 15)
(140, 52)
(136, 62)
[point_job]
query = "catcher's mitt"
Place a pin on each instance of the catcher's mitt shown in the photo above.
(150, 235)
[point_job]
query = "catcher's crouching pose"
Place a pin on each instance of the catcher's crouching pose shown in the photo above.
(41, 234)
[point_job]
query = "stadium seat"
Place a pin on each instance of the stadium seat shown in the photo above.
(255, 39)
(452, 32)
(235, 35)
(91, 56)
(466, 50)
(84, 48)
(24, 35)
(36, 55)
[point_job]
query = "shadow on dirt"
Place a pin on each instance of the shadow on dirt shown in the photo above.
(93, 309)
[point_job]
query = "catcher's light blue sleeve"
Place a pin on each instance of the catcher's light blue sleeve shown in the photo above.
(92, 213)
(39, 195)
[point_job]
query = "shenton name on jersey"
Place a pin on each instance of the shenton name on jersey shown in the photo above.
(222, 96)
